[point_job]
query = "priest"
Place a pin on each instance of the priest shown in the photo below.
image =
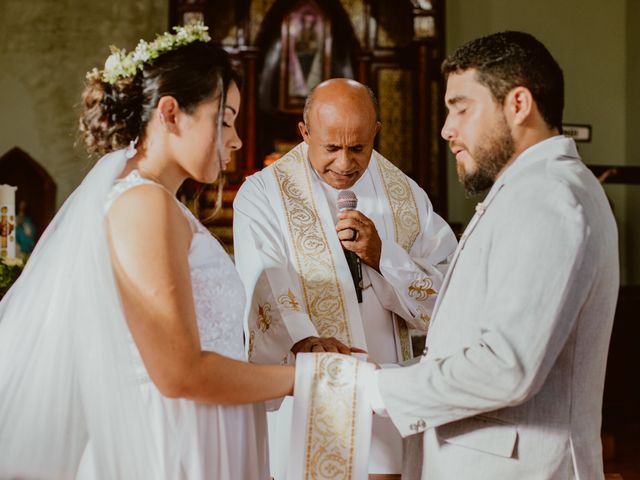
(327, 271)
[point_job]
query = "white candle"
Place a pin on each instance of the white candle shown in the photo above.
(7, 221)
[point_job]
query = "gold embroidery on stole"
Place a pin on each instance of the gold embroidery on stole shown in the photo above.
(332, 418)
(316, 269)
(406, 222)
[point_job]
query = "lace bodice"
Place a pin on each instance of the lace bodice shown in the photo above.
(218, 293)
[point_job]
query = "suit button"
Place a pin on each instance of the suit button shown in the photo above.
(419, 426)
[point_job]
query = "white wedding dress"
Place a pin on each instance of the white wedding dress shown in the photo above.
(75, 398)
(226, 442)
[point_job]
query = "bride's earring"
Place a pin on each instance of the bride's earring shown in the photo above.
(131, 149)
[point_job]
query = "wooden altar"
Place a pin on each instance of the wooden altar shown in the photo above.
(284, 47)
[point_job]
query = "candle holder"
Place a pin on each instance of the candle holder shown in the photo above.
(7, 221)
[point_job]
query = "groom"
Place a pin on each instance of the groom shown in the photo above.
(511, 381)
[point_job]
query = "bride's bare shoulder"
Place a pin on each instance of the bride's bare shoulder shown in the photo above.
(148, 212)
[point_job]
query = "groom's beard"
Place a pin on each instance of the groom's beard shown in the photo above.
(490, 158)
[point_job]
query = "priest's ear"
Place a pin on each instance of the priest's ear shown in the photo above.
(304, 131)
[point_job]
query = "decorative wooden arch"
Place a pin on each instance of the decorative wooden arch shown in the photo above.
(395, 47)
(35, 186)
(275, 121)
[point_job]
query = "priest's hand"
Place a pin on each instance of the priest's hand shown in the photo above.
(323, 344)
(358, 234)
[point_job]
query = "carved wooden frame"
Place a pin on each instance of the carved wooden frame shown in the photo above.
(295, 103)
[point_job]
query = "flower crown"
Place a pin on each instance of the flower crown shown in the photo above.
(121, 64)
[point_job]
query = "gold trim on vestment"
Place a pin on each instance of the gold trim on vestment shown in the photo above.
(331, 428)
(406, 222)
(423, 315)
(421, 289)
(290, 301)
(403, 204)
(405, 339)
(321, 288)
(252, 336)
(264, 317)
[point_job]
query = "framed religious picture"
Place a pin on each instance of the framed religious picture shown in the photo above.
(305, 59)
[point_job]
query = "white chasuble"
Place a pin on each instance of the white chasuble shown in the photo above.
(299, 285)
(294, 270)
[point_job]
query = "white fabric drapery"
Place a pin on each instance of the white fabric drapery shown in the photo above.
(67, 373)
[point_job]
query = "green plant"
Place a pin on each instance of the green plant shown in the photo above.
(9, 273)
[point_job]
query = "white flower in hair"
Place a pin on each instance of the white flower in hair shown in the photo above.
(112, 61)
(142, 53)
(121, 64)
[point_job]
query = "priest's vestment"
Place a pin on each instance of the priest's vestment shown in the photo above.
(298, 282)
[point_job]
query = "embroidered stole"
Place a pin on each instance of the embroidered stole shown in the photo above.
(333, 418)
(331, 429)
(406, 222)
(315, 263)
(317, 254)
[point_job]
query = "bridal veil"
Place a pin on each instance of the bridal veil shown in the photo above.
(66, 356)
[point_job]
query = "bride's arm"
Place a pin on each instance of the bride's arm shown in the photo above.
(149, 240)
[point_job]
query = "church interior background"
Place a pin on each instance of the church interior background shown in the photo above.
(285, 47)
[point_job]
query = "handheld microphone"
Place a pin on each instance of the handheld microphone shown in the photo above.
(347, 200)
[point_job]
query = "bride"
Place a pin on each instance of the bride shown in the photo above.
(121, 345)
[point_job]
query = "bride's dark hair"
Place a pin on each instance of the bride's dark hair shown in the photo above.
(115, 114)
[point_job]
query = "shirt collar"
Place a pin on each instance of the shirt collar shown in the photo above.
(558, 145)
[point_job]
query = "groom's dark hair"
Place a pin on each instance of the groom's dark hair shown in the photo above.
(506, 60)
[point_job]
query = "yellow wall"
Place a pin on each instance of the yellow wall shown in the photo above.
(46, 47)
(632, 233)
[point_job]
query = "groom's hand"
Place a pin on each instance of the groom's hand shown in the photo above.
(323, 344)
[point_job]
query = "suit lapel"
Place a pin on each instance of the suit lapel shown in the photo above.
(481, 208)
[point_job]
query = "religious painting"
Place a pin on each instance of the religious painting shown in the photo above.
(306, 53)
(192, 17)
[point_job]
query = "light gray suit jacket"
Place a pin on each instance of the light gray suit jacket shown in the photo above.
(511, 384)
